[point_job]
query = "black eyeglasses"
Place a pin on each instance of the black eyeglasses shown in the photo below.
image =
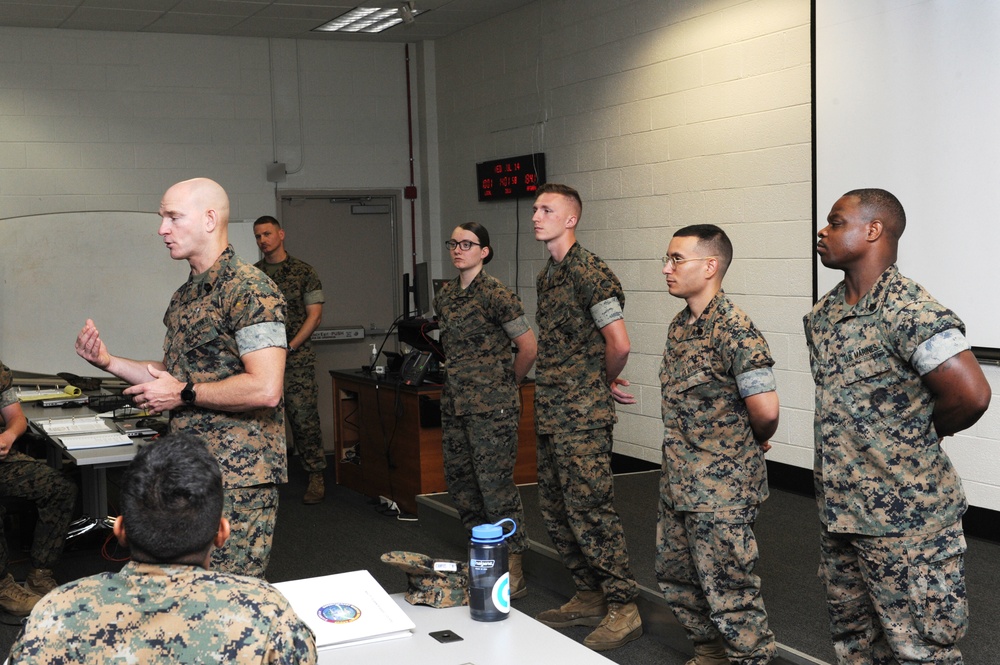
(466, 245)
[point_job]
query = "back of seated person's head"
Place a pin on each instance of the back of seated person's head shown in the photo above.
(171, 501)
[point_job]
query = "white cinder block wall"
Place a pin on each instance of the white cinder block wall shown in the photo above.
(106, 121)
(662, 114)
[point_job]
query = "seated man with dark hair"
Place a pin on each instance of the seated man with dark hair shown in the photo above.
(166, 605)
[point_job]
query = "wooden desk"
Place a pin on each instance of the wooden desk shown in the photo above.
(388, 437)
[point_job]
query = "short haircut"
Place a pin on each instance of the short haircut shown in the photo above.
(883, 205)
(267, 219)
(482, 234)
(171, 499)
(564, 190)
(714, 239)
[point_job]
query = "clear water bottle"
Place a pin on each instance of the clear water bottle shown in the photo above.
(489, 576)
(374, 359)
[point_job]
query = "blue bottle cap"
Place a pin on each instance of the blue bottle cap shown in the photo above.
(487, 533)
(492, 533)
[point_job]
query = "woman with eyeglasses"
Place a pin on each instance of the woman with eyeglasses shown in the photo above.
(479, 317)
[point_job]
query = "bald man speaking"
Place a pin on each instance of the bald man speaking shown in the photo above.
(221, 377)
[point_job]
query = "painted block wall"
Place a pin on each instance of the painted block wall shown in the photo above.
(107, 121)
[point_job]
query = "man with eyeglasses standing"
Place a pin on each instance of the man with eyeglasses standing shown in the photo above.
(894, 376)
(719, 409)
(582, 348)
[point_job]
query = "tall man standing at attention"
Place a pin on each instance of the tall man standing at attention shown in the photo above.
(222, 368)
(720, 410)
(303, 293)
(894, 376)
(582, 348)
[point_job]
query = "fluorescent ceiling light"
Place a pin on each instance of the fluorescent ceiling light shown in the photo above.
(366, 19)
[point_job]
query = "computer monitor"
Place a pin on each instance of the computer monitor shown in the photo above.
(420, 289)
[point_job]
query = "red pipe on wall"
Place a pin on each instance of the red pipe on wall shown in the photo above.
(410, 192)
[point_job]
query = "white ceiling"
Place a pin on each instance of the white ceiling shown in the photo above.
(292, 19)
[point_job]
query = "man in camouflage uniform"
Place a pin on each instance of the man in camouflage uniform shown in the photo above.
(222, 368)
(894, 376)
(479, 317)
(25, 477)
(719, 409)
(166, 605)
(303, 293)
(582, 348)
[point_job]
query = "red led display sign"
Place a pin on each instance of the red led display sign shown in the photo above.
(510, 177)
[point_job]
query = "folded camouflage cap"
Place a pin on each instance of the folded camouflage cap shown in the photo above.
(430, 581)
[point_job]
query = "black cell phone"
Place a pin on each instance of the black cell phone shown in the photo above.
(445, 636)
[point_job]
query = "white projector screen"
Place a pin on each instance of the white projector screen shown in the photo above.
(907, 98)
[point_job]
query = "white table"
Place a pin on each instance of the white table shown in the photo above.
(516, 639)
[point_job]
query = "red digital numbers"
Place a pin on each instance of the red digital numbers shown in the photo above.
(510, 178)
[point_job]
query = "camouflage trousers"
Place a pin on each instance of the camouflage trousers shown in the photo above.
(479, 455)
(576, 496)
(252, 512)
(896, 599)
(704, 566)
(301, 408)
(54, 494)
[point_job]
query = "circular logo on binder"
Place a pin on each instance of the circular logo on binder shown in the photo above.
(339, 613)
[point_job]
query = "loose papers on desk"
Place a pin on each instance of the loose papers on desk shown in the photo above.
(78, 432)
(99, 440)
(346, 609)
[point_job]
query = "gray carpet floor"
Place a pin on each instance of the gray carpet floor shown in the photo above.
(787, 533)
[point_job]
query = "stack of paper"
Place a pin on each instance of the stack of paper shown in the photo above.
(346, 609)
(99, 440)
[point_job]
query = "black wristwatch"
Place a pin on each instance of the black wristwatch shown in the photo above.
(187, 394)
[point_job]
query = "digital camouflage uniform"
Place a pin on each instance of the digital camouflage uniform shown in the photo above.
(54, 495)
(713, 479)
(574, 417)
(890, 501)
(480, 407)
(213, 319)
(301, 286)
(150, 613)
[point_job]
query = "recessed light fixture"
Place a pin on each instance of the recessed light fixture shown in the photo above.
(370, 19)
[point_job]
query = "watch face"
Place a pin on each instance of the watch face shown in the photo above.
(187, 394)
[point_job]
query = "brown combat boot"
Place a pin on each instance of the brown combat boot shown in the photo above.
(518, 585)
(585, 608)
(316, 490)
(40, 581)
(709, 653)
(15, 599)
(621, 625)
